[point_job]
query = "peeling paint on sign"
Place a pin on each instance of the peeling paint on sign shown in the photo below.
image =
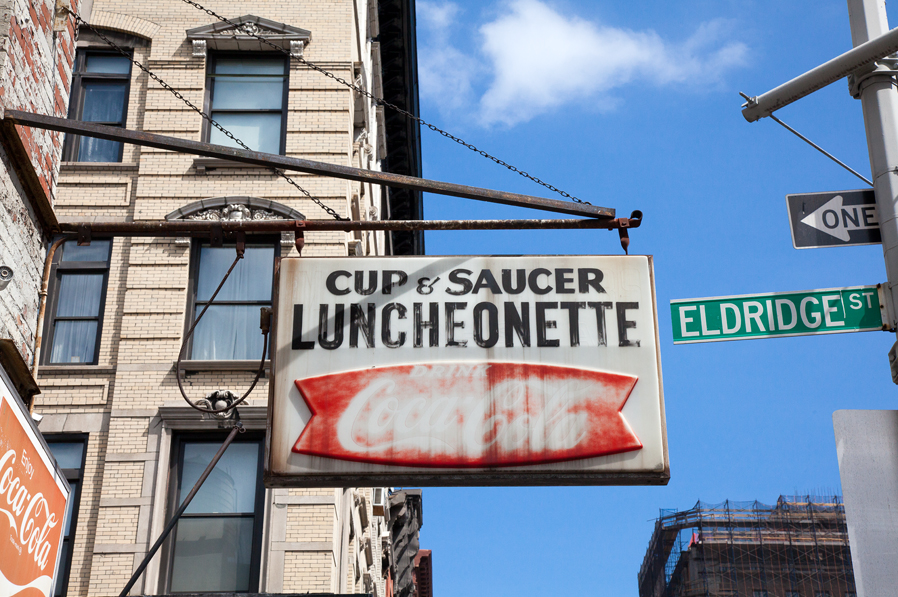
(466, 371)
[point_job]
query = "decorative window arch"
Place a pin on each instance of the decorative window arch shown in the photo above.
(235, 209)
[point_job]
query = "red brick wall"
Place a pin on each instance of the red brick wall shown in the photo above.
(35, 74)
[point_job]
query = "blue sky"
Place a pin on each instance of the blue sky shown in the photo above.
(635, 105)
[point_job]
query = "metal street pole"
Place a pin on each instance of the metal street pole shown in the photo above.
(871, 498)
(877, 93)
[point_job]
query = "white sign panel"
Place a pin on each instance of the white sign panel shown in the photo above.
(466, 371)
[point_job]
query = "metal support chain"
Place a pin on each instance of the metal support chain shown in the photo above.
(203, 114)
(382, 102)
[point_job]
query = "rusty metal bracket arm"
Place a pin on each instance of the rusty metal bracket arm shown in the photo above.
(201, 228)
(145, 139)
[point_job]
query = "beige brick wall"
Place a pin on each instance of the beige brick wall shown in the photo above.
(109, 574)
(117, 525)
(308, 572)
(85, 531)
(310, 523)
(124, 500)
(122, 479)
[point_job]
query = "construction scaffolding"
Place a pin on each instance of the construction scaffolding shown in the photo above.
(797, 548)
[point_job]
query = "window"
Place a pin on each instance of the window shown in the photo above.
(216, 545)
(759, 593)
(77, 301)
(230, 328)
(247, 95)
(69, 453)
(792, 594)
(100, 84)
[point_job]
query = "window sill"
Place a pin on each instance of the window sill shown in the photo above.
(98, 167)
(223, 365)
(181, 417)
(204, 164)
(75, 368)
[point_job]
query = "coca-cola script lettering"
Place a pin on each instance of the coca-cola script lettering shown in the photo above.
(465, 415)
(32, 510)
(28, 513)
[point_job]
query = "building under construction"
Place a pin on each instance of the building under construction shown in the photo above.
(796, 548)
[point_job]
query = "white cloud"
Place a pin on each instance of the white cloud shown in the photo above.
(534, 60)
(446, 74)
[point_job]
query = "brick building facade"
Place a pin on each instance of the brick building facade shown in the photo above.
(118, 310)
(36, 54)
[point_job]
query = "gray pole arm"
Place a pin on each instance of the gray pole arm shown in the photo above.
(818, 78)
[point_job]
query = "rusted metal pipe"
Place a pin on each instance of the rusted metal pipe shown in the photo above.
(204, 228)
(42, 305)
(269, 160)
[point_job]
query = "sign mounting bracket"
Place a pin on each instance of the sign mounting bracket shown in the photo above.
(282, 162)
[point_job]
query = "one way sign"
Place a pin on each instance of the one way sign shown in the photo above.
(835, 219)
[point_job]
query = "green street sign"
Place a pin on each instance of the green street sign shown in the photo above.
(771, 315)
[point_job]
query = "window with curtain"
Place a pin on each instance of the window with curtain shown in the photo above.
(100, 84)
(76, 303)
(216, 544)
(230, 328)
(69, 453)
(247, 95)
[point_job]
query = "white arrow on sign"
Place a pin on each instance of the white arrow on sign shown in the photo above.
(837, 220)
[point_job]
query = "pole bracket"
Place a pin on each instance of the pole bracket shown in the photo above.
(84, 235)
(858, 81)
(886, 306)
(623, 226)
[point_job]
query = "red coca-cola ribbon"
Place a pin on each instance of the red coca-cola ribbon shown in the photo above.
(467, 415)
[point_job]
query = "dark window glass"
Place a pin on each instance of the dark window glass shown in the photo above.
(76, 305)
(248, 97)
(100, 85)
(230, 328)
(69, 454)
(216, 544)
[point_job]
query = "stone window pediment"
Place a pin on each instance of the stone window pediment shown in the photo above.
(233, 209)
(224, 36)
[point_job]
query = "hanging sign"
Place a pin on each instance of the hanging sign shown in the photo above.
(466, 371)
(32, 503)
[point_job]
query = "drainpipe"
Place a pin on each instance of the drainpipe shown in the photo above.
(42, 306)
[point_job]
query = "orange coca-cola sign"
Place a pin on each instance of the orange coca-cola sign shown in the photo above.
(32, 506)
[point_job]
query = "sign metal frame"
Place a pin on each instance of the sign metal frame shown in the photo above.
(608, 471)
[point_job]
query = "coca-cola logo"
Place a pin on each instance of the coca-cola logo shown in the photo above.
(464, 415)
(32, 508)
(28, 511)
